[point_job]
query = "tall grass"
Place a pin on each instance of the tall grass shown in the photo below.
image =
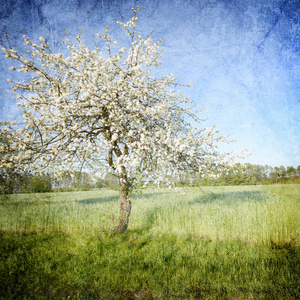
(201, 243)
(254, 215)
(56, 212)
(251, 215)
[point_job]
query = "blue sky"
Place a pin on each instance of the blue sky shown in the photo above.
(243, 56)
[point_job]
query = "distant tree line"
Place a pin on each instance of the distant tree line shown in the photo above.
(241, 174)
(24, 182)
(248, 174)
(12, 182)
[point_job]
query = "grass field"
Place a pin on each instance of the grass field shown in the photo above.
(202, 243)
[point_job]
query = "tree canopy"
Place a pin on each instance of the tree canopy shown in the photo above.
(103, 108)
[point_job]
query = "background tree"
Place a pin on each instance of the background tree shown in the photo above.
(291, 171)
(111, 181)
(104, 109)
(99, 182)
(40, 183)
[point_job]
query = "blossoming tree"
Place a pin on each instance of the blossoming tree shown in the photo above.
(102, 108)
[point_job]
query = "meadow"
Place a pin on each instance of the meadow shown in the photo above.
(198, 243)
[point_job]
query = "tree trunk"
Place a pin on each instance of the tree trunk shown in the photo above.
(124, 202)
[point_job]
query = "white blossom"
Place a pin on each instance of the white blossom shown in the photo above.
(107, 111)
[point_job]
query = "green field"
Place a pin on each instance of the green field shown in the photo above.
(202, 243)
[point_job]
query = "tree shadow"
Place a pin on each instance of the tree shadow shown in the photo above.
(147, 195)
(230, 198)
(27, 203)
(116, 197)
(98, 200)
(49, 202)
